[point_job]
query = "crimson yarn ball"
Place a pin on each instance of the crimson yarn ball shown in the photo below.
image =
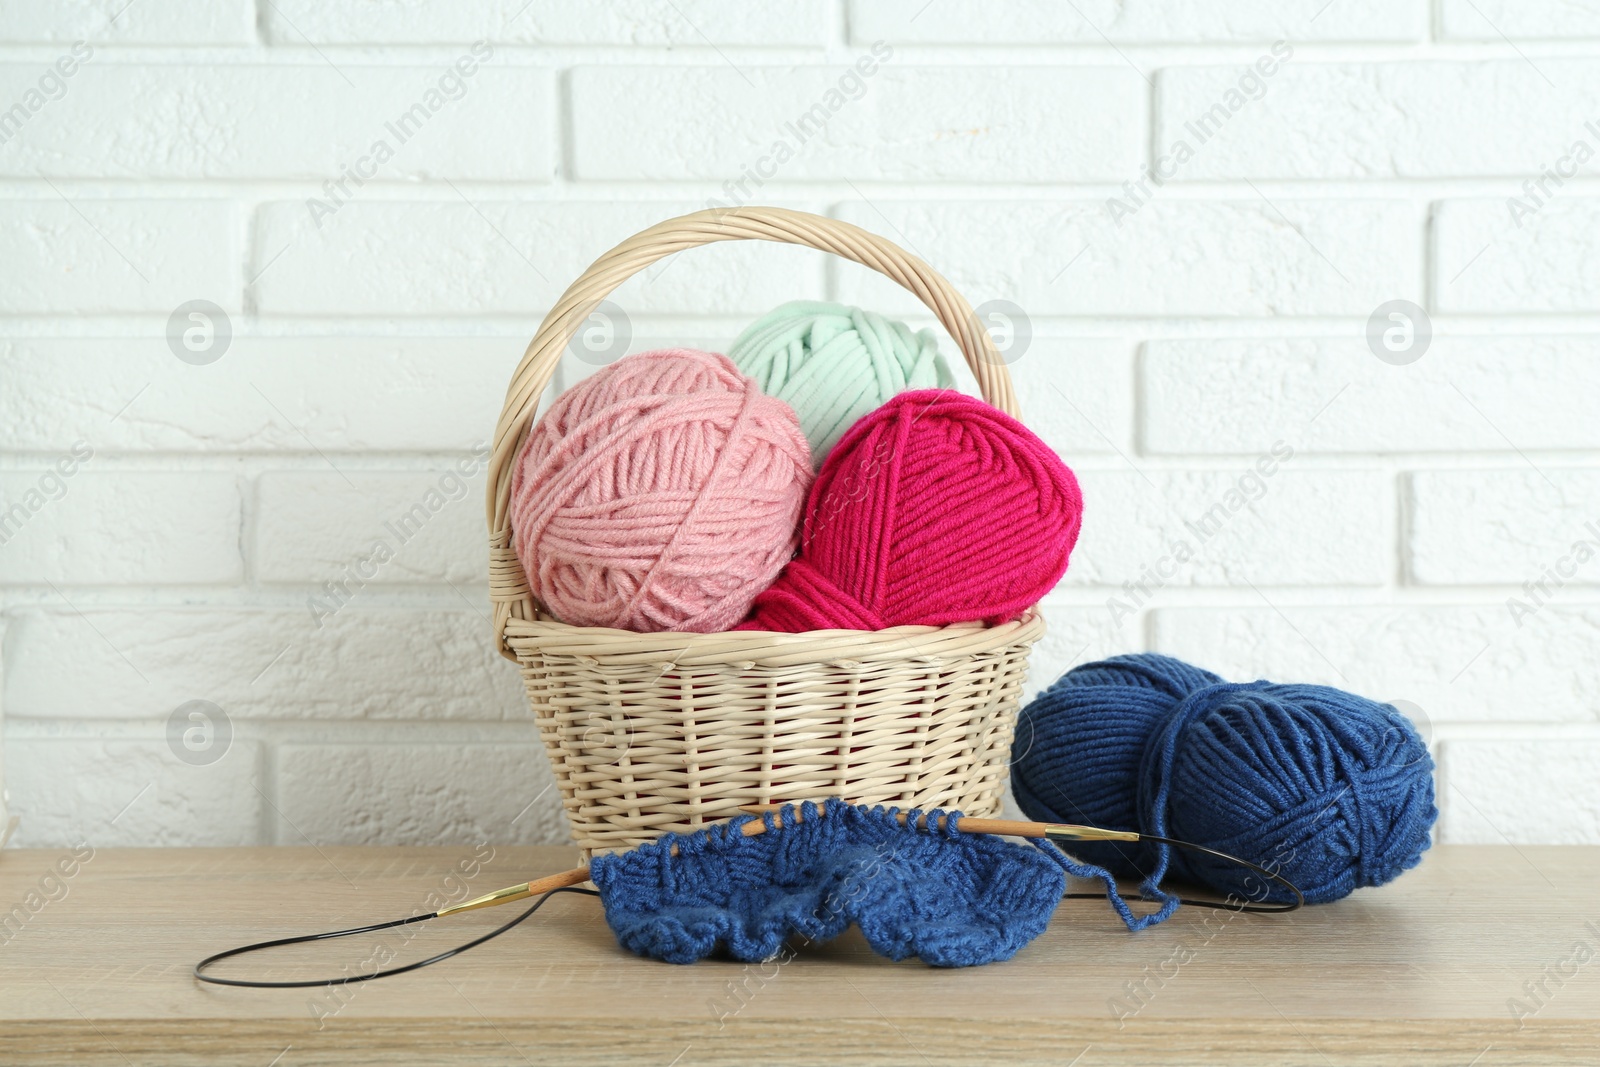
(662, 493)
(936, 508)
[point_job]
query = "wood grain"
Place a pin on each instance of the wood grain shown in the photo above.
(1419, 973)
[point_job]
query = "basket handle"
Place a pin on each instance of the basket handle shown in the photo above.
(507, 584)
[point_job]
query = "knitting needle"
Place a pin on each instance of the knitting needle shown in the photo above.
(547, 883)
(1004, 827)
(1055, 831)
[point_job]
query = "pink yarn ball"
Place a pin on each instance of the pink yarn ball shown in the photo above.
(663, 493)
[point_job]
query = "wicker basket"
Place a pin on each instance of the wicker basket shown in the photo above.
(651, 733)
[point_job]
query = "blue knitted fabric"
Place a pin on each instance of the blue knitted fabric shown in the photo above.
(948, 898)
(1330, 789)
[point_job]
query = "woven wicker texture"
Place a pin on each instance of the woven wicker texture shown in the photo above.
(651, 733)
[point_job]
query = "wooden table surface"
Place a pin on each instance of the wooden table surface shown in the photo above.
(95, 969)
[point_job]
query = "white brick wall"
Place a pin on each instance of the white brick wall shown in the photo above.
(1323, 121)
(72, 253)
(1486, 263)
(1424, 534)
(1055, 257)
(307, 121)
(172, 22)
(1035, 124)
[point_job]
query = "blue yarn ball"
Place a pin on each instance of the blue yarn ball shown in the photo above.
(1330, 789)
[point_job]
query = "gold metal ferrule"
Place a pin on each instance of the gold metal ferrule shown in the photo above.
(488, 900)
(1087, 833)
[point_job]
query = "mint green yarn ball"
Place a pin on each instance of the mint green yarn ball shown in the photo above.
(833, 364)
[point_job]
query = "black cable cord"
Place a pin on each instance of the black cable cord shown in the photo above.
(200, 967)
(1220, 905)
